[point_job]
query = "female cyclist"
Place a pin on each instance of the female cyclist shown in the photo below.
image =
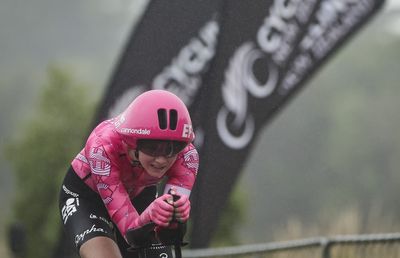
(111, 186)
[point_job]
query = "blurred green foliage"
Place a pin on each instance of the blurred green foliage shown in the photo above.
(41, 154)
(232, 217)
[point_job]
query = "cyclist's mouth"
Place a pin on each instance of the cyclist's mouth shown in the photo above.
(161, 168)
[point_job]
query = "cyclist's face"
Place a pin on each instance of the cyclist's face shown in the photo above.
(156, 166)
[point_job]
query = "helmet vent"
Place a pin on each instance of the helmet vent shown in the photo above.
(173, 119)
(162, 118)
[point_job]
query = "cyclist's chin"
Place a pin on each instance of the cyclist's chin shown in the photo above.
(156, 172)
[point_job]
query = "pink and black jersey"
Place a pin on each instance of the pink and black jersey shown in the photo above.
(105, 168)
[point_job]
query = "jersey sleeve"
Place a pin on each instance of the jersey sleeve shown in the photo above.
(182, 174)
(105, 173)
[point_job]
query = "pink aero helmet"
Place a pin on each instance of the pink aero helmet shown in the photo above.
(155, 114)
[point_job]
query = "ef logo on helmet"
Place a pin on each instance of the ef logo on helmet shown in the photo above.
(187, 131)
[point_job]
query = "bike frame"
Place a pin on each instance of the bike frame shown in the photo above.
(143, 252)
(140, 239)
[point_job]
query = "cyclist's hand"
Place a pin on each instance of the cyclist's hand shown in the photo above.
(182, 208)
(160, 211)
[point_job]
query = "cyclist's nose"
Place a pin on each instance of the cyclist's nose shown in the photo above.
(161, 159)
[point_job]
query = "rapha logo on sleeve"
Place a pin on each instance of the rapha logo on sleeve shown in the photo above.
(93, 229)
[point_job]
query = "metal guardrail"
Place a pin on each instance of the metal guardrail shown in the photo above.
(324, 243)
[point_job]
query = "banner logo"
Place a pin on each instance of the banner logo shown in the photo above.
(183, 76)
(275, 43)
(240, 79)
(333, 21)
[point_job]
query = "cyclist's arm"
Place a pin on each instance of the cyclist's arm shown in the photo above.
(106, 175)
(181, 179)
(182, 174)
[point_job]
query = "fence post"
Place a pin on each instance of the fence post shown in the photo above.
(326, 247)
